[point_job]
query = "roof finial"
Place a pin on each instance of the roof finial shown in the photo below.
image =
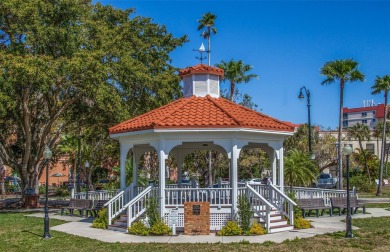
(201, 50)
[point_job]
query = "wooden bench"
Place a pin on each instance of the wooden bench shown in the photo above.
(77, 204)
(97, 206)
(316, 204)
(341, 204)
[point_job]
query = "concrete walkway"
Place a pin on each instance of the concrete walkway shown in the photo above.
(324, 224)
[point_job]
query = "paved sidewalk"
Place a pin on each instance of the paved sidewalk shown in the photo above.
(324, 224)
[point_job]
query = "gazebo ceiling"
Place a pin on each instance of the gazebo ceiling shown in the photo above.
(201, 112)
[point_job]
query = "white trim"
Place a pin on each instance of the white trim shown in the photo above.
(196, 130)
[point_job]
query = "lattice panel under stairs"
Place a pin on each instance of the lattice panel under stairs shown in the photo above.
(217, 220)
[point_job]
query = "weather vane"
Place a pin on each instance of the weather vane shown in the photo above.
(201, 50)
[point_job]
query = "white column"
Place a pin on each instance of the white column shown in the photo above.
(135, 172)
(162, 157)
(234, 177)
(124, 149)
(274, 180)
(281, 169)
(180, 161)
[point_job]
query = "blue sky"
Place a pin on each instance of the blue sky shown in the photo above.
(287, 43)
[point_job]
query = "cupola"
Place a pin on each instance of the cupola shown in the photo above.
(201, 80)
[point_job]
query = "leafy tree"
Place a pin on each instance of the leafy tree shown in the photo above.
(344, 71)
(236, 72)
(299, 170)
(208, 23)
(252, 163)
(247, 102)
(361, 133)
(62, 67)
(382, 84)
(364, 158)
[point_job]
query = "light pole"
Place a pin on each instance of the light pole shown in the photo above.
(47, 156)
(86, 177)
(301, 96)
(347, 150)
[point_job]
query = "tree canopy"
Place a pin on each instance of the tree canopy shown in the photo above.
(71, 64)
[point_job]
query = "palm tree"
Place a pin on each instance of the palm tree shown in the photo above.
(344, 71)
(361, 133)
(382, 85)
(299, 169)
(235, 72)
(207, 22)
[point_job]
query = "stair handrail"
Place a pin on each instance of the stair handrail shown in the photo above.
(264, 201)
(138, 209)
(116, 205)
(289, 212)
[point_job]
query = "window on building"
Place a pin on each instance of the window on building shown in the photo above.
(345, 124)
(364, 114)
(345, 115)
(370, 148)
(373, 112)
(373, 120)
(364, 121)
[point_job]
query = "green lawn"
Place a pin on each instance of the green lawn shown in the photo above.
(385, 193)
(20, 233)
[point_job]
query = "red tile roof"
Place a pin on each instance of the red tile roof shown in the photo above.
(201, 68)
(201, 112)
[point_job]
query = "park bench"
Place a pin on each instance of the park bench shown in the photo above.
(96, 206)
(77, 204)
(316, 204)
(341, 203)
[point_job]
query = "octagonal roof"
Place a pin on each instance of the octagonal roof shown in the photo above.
(201, 112)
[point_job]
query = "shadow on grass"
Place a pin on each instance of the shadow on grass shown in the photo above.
(27, 231)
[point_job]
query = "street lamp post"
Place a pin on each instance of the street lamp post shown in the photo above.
(301, 96)
(347, 150)
(47, 156)
(86, 177)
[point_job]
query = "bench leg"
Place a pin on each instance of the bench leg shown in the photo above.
(331, 212)
(62, 211)
(303, 213)
(322, 212)
(317, 211)
(364, 210)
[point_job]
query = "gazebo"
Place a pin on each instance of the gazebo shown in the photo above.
(201, 120)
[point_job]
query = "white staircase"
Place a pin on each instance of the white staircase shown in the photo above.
(272, 209)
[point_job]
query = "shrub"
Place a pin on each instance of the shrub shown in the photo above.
(61, 192)
(256, 229)
(138, 228)
(245, 212)
(152, 211)
(102, 220)
(42, 189)
(159, 228)
(230, 229)
(301, 223)
(362, 183)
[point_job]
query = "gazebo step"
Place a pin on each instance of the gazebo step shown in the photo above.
(114, 227)
(281, 228)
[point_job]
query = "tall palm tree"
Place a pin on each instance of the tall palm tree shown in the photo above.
(361, 133)
(344, 71)
(382, 84)
(207, 22)
(299, 170)
(236, 72)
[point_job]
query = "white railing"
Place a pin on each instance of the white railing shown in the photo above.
(96, 195)
(116, 205)
(216, 196)
(260, 205)
(137, 206)
(311, 193)
(283, 203)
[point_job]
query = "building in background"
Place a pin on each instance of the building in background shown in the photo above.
(370, 114)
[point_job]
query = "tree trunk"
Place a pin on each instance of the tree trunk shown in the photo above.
(339, 137)
(232, 89)
(379, 191)
(2, 177)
